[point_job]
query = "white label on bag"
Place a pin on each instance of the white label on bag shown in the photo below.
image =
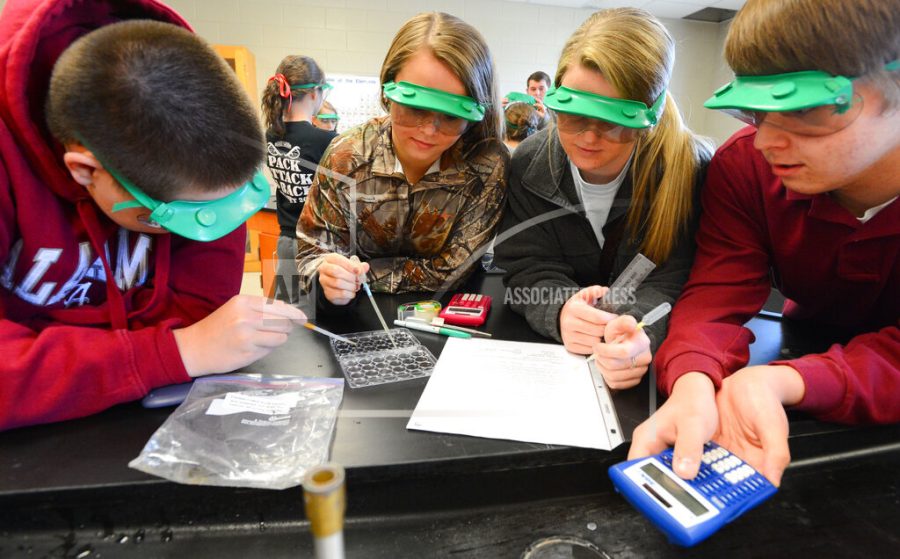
(238, 402)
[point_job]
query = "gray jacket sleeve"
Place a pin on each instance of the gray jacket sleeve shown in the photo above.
(537, 278)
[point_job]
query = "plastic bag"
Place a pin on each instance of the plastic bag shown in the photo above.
(246, 431)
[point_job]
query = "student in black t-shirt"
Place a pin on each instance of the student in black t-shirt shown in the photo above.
(293, 96)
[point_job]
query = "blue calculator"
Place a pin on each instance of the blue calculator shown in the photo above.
(688, 512)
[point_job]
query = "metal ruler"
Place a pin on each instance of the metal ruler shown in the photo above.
(628, 281)
(607, 408)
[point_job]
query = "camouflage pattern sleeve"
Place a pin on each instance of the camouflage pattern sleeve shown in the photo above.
(473, 230)
(323, 225)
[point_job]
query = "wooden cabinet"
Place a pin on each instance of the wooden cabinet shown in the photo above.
(243, 63)
(263, 221)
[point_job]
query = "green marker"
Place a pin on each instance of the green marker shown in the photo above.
(415, 325)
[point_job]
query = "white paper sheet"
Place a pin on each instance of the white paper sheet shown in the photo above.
(514, 390)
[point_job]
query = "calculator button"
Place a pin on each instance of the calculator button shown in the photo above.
(717, 502)
(718, 467)
(707, 457)
(478, 298)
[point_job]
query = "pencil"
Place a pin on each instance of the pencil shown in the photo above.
(658, 312)
(315, 328)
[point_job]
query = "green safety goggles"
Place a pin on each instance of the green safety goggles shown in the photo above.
(621, 112)
(617, 120)
(429, 99)
(516, 97)
(201, 220)
(808, 103)
(327, 116)
(325, 86)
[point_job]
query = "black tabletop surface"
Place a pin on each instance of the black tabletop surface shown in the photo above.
(66, 490)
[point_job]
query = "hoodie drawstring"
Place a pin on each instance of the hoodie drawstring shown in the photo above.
(118, 313)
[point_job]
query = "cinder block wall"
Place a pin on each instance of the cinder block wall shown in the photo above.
(352, 37)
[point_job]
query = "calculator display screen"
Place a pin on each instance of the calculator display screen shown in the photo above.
(463, 310)
(674, 489)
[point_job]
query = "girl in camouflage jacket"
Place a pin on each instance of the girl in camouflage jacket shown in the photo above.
(412, 198)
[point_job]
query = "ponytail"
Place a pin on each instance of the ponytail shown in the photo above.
(277, 91)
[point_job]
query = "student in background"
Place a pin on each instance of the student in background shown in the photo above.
(327, 118)
(617, 174)
(429, 179)
(521, 121)
(537, 85)
(110, 283)
(292, 98)
(807, 199)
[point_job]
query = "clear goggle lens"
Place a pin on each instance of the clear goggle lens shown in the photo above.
(576, 124)
(814, 121)
(448, 125)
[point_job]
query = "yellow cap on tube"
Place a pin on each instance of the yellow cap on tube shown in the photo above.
(325, 499)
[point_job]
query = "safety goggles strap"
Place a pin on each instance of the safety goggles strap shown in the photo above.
(325, 85)
(126, 205)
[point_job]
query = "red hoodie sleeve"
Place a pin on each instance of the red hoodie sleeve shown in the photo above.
(856, 383)
(65, 371)
(729, 280)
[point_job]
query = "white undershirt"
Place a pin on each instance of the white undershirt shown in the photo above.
(872, 212)
(597, 198)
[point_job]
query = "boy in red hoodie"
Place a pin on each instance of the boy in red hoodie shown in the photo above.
(124, 183)
(807, 199)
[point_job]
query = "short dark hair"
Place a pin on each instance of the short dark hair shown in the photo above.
(156, 103)
(539, 76)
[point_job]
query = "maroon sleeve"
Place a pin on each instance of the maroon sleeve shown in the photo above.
(855, 383)
(729, 280)
(65, 372)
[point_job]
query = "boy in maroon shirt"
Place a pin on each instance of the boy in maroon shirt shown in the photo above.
(808, 200)
(125, 177)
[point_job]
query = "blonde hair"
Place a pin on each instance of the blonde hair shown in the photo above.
(522, 120)
(461, 47)
(327, 109)
(635, 53)
(842, 38)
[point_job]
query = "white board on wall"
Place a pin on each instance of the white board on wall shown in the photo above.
(355, 98)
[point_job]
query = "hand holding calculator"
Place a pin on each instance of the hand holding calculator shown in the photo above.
(689, 511)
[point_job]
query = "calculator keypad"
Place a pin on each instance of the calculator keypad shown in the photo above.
(723, 477)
